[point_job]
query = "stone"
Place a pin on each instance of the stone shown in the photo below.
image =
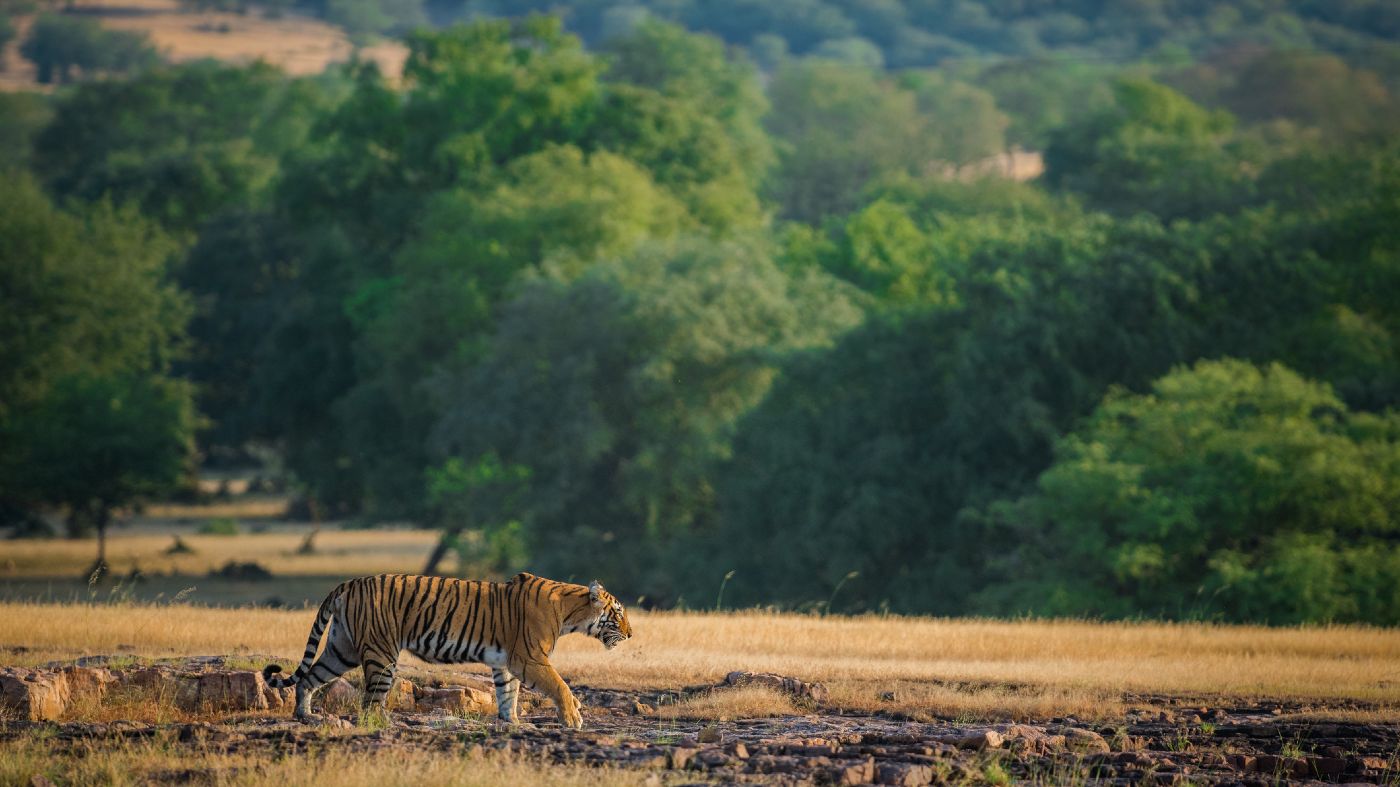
(339, 696)
(1085, 741)
(680, 757)
(640, 708)
(277, 699)
(33, 695)
(903, 774)
(853, 773)
(88, 680)
(738, 750)
(816, 692)
(1327, 766)
(1370, 763)
(1241, 762)
(986, 739)
(709, 759)
(458, 700)
(402, 695)
(226, 691)
(709, 734)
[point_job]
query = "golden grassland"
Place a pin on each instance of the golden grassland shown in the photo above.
(338, 553)
(948, 668)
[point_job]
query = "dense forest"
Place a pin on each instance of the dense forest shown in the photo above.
(676, 294)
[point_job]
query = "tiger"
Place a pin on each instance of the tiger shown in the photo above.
(512, 627)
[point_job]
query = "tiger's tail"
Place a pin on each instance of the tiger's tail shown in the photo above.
(313, 644)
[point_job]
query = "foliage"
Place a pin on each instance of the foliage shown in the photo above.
(648, 306)
(483, 496)
(95, 443)
(839, 128)
(80, 294)
(1151, 150)
(22, 116)
(180, 141)
(1228, 490)
(88, 419)
(621, 389)
(59, 44)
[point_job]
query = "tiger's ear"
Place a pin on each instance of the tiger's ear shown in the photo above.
(595, 589)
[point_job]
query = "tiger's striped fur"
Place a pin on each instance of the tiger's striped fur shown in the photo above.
(510, 626)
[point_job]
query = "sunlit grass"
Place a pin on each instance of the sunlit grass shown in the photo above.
(744, 702)
(1016, 669)
(166, 761)
(337, 552)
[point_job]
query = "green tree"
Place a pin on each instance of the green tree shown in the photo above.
(964, 122)
(94, 444)
(620, 391)
(838, 128)
(181, 141)
(1230, 490)
(58, 44)
(692, 115)
(476, 506)
(80, 293)
(22, 116)
(552, 213)
(1153, 151)
(89, 419)
(1313, 89)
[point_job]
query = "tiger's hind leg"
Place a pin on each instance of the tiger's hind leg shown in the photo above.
(507, 694)
(379, 679)
(338, 658)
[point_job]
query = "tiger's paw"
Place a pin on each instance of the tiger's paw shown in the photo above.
(571, 719)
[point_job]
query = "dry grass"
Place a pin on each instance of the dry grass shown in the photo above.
(167, 761)
(1021, 669)
(344, 553)
(744, 702)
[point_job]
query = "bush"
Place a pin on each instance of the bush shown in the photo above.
(220, 527)
(1229, 491)
(58, 44)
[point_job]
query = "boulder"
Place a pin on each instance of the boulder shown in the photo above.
(903, 774)
(227, 691)
(402, 696)
(33, 695)
(457, 700)
(1085, 741)
(680, 756)
(985, 739)
(160, 681)
(798, 688)
(339, 696)
(852, 773)
(278, 699)
(88, 680)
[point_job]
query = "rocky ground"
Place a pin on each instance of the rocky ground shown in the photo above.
(1163, 742)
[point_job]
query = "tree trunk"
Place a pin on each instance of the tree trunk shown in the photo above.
(440, 549)
(99, 569)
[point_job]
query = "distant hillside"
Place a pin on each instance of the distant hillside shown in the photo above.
(296, 43)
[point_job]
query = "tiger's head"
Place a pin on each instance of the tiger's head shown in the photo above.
(609, 623)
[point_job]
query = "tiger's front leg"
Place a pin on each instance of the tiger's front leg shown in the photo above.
(541, 676)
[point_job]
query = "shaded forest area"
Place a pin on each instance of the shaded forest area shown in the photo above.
(696, 296)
